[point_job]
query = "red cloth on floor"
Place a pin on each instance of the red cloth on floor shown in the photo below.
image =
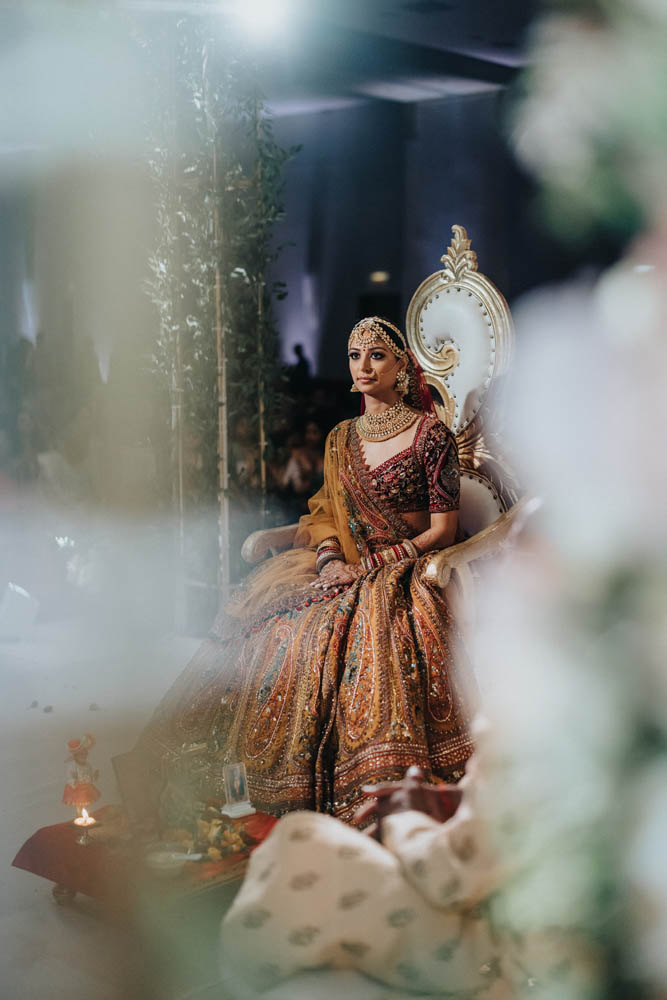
(98, 870)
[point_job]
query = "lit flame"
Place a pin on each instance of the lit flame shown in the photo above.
(84, 815)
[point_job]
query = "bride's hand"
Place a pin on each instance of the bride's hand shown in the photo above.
(440, 801)
(336, 574)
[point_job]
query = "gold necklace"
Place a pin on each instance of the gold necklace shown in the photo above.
(385, 425)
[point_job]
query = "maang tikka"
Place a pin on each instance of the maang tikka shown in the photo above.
(369, 330)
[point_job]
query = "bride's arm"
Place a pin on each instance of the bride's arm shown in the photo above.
(440, 534)
(441, 466)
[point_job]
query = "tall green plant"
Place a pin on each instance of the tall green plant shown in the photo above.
(218, 176)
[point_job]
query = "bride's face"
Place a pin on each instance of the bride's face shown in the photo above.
(374, 369)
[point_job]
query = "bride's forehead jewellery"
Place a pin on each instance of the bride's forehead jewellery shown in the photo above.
(368, 331)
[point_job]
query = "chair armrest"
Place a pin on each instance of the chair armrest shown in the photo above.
(485, 543)
(270, 540)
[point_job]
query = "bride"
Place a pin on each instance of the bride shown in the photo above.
(333, 666)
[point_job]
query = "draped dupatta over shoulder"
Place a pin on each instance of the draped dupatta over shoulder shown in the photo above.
(328, 515)
(321, 692)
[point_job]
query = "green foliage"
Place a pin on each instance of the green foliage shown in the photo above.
(218, 176)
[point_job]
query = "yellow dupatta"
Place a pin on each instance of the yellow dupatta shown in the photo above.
(327, 518)
(327, 515)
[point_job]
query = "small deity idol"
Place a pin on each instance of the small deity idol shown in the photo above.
(80, 790)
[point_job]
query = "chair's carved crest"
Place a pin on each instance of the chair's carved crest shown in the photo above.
(458, 257)
(460, 328)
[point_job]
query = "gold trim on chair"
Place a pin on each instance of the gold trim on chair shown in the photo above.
(270, 541)
(485, 543)
(451, 568)
(459, 276)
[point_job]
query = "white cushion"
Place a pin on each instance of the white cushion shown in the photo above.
(456, 315)
(480, 503)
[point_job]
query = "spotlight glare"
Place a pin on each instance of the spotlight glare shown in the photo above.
(261, 17)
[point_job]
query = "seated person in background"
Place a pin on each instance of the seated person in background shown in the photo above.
(304, 470)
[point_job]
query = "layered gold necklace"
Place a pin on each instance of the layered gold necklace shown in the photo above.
(385, 425)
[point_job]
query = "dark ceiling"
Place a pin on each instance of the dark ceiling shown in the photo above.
(327, 53)
(66, 72)
(488, 29)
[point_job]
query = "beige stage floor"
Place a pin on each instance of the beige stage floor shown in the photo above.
(71, 952)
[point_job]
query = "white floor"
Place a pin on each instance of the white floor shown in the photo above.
(73, 951)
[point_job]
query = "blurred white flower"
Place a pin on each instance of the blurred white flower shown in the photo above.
(629, 303)
(646, 873)
(652, 641)
(572, 640)
(572, 95)
(594, 124)
(571, 645)
(587, 417)
(654, 8)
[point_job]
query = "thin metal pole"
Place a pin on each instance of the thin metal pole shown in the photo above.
(177, 391)
(261, 376)
(221, 356)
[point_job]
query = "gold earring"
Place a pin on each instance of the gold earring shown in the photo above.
(401, 384)
(354, 388)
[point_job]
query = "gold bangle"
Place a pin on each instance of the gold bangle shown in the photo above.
(411, 549)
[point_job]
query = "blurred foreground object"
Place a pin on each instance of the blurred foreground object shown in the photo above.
(593, 122)
(572, 653)
(18, 611)
(421, 913)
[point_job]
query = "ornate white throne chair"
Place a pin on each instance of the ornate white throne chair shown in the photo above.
(460, 329)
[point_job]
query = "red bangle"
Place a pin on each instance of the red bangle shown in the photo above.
(392, 554)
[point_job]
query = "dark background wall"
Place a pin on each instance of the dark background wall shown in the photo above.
(377, 186)
(344, 196)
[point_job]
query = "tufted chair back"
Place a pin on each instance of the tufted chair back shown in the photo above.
(460, 329)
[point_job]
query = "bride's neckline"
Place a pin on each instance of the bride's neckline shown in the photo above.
(397, 454)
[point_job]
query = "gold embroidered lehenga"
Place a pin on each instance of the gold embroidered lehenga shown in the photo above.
(321, 692)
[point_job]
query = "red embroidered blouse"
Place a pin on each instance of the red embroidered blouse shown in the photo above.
(425, 475)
